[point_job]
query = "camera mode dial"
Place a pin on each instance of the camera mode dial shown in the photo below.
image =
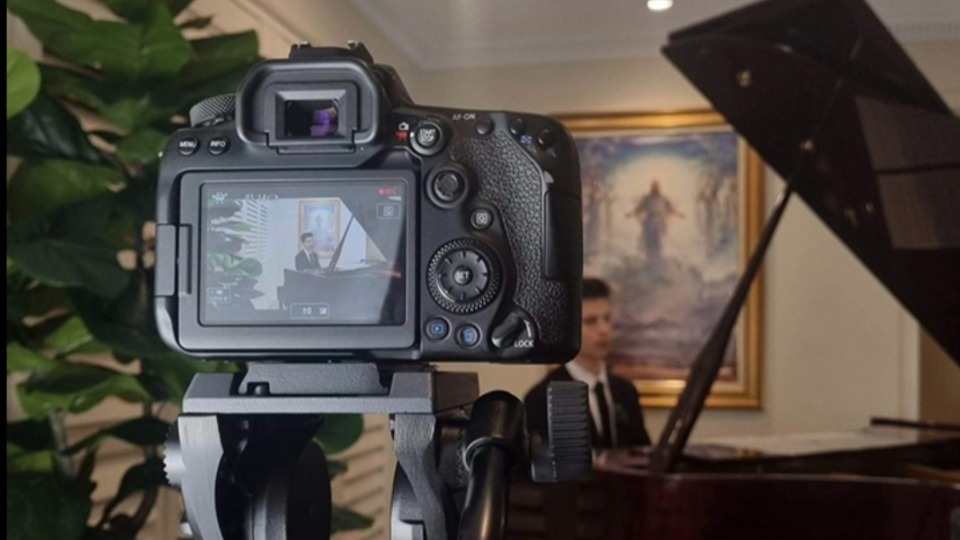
(212, 111)
(464, 276)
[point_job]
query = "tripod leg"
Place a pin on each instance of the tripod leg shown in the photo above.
(193, 457)
(406, 522)
(286, 474)
(414, 439)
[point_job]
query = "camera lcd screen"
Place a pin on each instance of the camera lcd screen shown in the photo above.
(303, 253)
(311, 119)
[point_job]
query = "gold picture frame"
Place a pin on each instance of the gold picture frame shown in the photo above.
(322, 218)
(687, 240)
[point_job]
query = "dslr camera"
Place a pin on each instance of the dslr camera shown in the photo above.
(320, 214)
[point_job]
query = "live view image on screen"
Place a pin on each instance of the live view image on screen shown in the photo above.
(304, 253)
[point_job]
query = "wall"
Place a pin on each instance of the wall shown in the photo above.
(838, 347)
(939, 384)
(323, 23)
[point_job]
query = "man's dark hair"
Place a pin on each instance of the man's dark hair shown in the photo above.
(304, 236)
(594, 288)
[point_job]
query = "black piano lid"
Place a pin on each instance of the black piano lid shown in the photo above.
(826, 77)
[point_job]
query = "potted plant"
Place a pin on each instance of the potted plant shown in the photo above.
(80, 211)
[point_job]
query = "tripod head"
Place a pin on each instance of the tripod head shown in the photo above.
(243, 457)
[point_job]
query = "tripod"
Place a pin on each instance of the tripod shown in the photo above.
(242, 454)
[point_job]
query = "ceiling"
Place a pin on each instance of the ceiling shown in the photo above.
(441, 34)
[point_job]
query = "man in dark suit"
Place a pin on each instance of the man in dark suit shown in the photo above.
(307, 260)
(615, 416)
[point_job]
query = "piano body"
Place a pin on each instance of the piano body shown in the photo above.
(825, 94)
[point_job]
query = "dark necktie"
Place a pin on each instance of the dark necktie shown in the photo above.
(606, 435)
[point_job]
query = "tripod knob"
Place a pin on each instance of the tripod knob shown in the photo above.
(173, 457)
(565, 455)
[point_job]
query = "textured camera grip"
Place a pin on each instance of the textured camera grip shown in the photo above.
(513, 182)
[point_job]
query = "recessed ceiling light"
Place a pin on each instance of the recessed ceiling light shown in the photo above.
(659, 5)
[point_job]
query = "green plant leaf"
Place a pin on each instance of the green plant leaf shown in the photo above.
(22, 359)
(125, 323)
(215, 56)
(40, 462)
(173, 373)
(141, 146)
(41, 300)
(108, 136)
(76, 87)
(39, 188)
(336, 468)
(198, 23)
(145, 431)
(226, 83)
(152, 48)
(73, 336)
(177, 6)
(136, 11)
(344, 519)
(63, 262)
(132, 113)
(239, 226)
(139, 10)
(47, 129)
(89, 461)
(75, 388)
(23, 81)
(49, 20)
(146, 475)
(43, 507)
(250, 266)
(100, 534)
(339, 432)
(16, 306)
(139, 200)
(30, 435)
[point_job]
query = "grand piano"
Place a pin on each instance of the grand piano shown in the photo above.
(825, 94)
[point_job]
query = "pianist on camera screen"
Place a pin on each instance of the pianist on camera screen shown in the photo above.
(307, 259)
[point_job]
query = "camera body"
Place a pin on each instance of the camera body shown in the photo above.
(322, 215)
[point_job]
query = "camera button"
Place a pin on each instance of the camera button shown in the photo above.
(437, 329)
(468, 336)
(187, 146)
(428, 134)
(218, 145)
(449, 186)
(518, 126)
(428, 138)
(546, 138)
(484, 126)
(481, 219)
(463, 275)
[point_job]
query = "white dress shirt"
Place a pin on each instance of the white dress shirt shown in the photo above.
(579, 373)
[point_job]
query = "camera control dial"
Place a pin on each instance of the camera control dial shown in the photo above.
(213, 110)
(464, 276)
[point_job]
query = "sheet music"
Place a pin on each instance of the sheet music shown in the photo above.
(818, 443)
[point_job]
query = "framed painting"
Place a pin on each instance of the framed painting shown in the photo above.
(322, 218)
(672, 205)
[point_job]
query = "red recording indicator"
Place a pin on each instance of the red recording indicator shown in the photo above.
(389, 191)
(402, 136)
